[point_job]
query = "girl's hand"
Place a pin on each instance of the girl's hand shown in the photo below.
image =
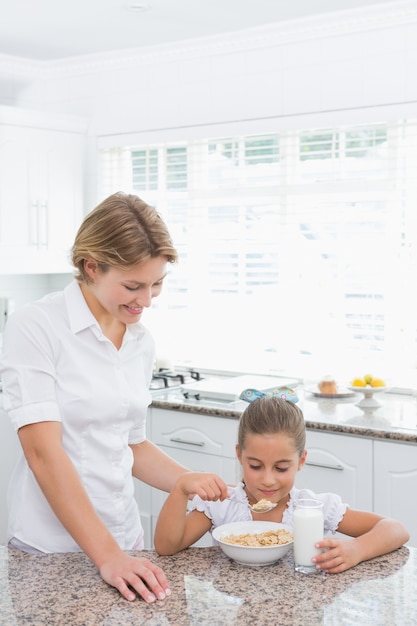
(338, 556)
(129, 574)
(374, 536)
(207, 486)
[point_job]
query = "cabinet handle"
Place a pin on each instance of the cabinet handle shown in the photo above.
(325, 466)
(33, 224)
(43, 224)
(38, 224)
(186, 441)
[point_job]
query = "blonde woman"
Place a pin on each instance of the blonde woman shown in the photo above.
(76, 368)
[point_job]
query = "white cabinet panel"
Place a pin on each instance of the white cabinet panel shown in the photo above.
(200, 443)
(63, 176)
(396, 483)
(224, 467)
(15, 202)
(340, 464)
(187, 431)
(41, 193)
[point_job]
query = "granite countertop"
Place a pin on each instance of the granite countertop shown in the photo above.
(395, 418)
(208, 589)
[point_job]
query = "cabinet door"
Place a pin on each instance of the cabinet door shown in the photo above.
(14, 192)
(193, 432)
(339, 464)
(200, 443)
(40, 198)
(226, 468)
(62, 194)
(396, 483)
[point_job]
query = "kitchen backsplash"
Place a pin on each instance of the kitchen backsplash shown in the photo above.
(19, 289)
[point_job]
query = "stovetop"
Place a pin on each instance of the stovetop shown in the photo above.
(192, 386)
(172, 379)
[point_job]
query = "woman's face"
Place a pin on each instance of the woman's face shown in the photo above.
(270, 463)
(124, 293)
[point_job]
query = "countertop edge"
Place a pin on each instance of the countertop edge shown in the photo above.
(403, 436)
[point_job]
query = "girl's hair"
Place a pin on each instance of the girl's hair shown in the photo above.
(273, 415)
(121, 232)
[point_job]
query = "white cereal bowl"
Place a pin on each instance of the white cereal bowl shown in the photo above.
(251, 555)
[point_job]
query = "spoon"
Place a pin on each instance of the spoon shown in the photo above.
(262, 506)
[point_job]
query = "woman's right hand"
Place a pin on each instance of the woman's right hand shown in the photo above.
(207, 486)
(128, 574)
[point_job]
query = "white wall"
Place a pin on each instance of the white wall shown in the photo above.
(315, 67)
(358, 65)
(25, 288)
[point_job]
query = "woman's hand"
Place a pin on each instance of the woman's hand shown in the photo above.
(129, 574)
(338, 555)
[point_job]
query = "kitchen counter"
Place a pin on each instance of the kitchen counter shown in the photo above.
(209, 589)
(395, 419)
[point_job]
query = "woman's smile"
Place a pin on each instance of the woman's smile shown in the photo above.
(133, 310)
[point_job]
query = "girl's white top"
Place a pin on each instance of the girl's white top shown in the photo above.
(58, 366)
(229, 511)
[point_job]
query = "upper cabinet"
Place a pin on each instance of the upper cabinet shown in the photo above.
(41, 190)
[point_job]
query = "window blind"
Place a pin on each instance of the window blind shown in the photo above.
(297, 249)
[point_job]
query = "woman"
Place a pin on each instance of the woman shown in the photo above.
(76, 368)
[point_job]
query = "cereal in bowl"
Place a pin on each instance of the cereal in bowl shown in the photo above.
(267, 538)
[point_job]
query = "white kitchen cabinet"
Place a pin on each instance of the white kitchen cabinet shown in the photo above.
(41, 192)
(200, 443)
(60, 194)
(395, 488)
(340, 464)
(9, 452)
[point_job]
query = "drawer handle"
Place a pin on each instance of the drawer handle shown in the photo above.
(186, 441)
(333, 467)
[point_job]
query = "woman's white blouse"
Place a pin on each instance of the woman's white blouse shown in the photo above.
(58, 366)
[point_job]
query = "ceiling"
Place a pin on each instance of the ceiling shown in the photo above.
(48, 30)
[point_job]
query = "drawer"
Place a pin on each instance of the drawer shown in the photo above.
(197, 433)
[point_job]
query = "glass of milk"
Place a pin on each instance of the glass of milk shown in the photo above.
(307, 530)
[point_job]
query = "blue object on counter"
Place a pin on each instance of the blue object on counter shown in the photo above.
(286, 393)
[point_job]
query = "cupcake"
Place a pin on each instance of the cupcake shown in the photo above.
(327, 385)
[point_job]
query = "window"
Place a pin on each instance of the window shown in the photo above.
(297, 249)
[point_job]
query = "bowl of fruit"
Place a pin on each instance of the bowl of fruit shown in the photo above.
(368, 385)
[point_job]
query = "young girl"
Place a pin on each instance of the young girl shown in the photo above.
(271, 450)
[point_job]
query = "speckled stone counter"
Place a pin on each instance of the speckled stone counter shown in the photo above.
(209, 589)
(395, 419)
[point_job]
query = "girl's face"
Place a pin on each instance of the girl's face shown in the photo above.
(270, 463)
(123, 294)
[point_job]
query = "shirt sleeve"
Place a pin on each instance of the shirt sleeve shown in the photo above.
(28, 369)
(137, 434)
